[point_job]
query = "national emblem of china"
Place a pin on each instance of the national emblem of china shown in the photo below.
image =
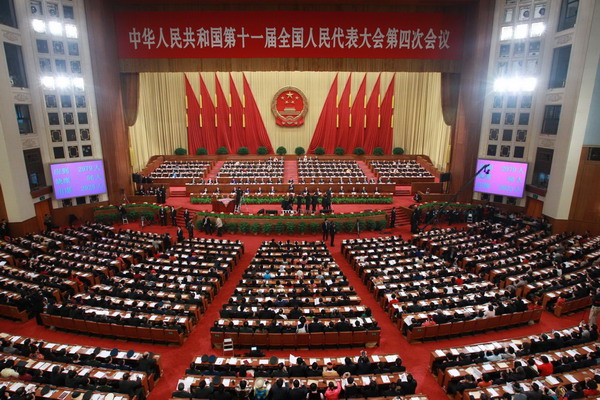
(289, 107)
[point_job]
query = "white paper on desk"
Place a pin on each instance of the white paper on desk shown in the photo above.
(570, 378)
(365, 380)
(74, 349)
(232, 361)
(119, 375)
(49, 345)
(99, 375)
(453, 372)
(317, 301)
(587, 349)
(38, 365)
(15, 386)
(226, 382)
(390, 358)
(508, 389)
(263, 361)
(219, 361)
(326, 360)
(572, 352)
(503, 365)
(375, 358)
(385, 379)
(488, 367)
(293, 359)
(104, 354)
(552, 380)
(403, 378)
(454, 352)
(492, 393)
(98, 396)
(187, 382)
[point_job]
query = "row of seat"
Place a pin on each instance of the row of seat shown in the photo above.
(472, 326)
(298, 340)
(106, 329)
(13, 312)
(573, 305)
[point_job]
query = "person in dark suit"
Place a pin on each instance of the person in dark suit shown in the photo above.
(325, 229)
(315, 201)
(315, 326)
(393, 217)
(190, 229)
(299, 204)
(343, 325)
(332, 232)
(131, 388)
(180, 237)
(181, 393)
(307, 201)
(173, 216)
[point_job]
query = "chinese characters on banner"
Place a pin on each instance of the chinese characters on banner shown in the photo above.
(289, 34)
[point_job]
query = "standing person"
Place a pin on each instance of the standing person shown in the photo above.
(315, 201)
(173, 216)
(307, 201)
(357, 227)
(48, 222)
(163, 216)
(325, 229)
(332, 232)
(180, 237)
(190, 229)
(219, 225)
(393, 217)
(186, 216)
(299, 203)
(595, 308)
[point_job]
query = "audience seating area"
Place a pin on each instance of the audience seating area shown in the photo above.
(189, 169)
(294, 295)
(136, 285)
(401, 172)
(364, 376)
(558, 358)
(52, 369)
(439, 286)
(238, 172)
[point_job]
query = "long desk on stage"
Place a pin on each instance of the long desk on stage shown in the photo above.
(298, 188)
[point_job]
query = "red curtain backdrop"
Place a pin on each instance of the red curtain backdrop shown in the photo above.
(237, 119)
(343, 131)
(194, 132)
(255, 132)
(223, 124)
(324, 135)
(372, 129)
(357, 124)
(386, 112)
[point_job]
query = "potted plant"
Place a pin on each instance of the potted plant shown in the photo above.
(299, 150)
(201, 151)
(222, 151)
(266, 228)
(319, 151)
(255, 228)
(339, 151)
(359, 151)
(281, 151)
(243, 151)
(244, 227)
(398, 151)
(302, 227)
(279, 228)
(180, 151)
(262, 150)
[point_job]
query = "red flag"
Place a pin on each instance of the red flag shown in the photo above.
(372, 123)
(256, 133)
(194, 132)
(207, 119)
(343, 121)
(236, 110)
(386, 129)
(324, 135)
(223, 125)
(357, 118)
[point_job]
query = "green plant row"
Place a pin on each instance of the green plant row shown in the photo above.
(292, 228)
(279, 199)
(112, 218)
(252, 216)
(435, 204)
(129, 206)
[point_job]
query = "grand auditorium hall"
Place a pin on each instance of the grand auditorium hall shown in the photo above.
(310, 199)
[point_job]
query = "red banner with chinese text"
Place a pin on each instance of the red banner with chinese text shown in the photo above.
(289, 34)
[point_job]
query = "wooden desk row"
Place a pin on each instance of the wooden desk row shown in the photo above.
(476, 370)
(83, 351)
(440, 354)
(108, 329)
(283, 188)
(261, 340)
(57, 393)
(552, 382)
(474, 325)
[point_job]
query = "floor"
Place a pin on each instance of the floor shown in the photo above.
(175, 359)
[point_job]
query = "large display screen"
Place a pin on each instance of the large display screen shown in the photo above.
(78, 179)
(501, 177)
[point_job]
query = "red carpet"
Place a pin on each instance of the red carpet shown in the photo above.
(176, 359)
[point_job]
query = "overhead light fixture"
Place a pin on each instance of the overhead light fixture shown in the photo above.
(71, 31)
(38, 25)
(521, 31)
(515, 84)
(506, 33)
(62, 82)
(55, 28)
(48, 82)
(537, 29)
(78, 83)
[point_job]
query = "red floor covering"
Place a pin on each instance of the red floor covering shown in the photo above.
(175, 359)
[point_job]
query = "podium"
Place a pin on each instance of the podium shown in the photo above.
(223, 205)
